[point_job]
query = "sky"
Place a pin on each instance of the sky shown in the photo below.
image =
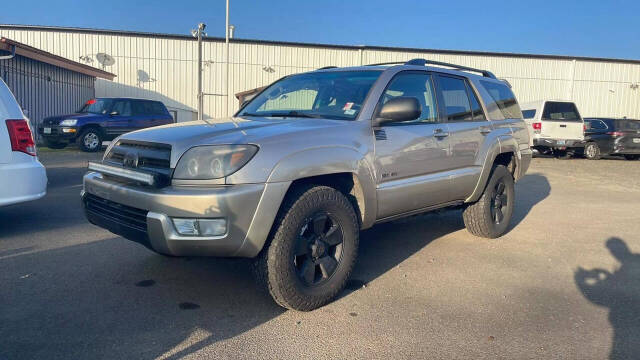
(582, 28)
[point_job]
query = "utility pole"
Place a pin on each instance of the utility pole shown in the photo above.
(198, 33)
(227, 55)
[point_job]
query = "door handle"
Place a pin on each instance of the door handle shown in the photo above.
(485, 131)
(439, 133)
(563, 125)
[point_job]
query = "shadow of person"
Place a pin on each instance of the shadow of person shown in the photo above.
(620, 292)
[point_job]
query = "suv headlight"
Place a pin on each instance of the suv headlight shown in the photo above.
(69, 122)
(213, 161)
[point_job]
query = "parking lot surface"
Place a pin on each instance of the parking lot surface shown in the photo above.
(564, 282)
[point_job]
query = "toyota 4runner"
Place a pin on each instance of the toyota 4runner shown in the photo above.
(301, 168)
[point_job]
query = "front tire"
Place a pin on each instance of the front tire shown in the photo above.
(489, 217)
(90, 140)
(312, 250)
(592, 151)
(632, 157)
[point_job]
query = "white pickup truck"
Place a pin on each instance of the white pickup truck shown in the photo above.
(555, 126)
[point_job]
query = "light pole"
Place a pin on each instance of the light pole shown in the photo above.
(198, 33)
(227, 55)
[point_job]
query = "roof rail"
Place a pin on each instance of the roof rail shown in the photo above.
(424, 62)
(327, 67)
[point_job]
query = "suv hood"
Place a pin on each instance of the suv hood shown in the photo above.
(183, 136)
(55, 120)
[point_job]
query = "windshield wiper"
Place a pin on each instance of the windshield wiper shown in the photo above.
(287, 114)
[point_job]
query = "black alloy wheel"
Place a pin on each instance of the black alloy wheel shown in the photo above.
(499, 202)
(318, 249)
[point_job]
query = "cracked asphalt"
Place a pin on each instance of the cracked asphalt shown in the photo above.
(564, 283)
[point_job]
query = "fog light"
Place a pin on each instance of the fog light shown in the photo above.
(212, 227)
(201, 227)
(186, 226)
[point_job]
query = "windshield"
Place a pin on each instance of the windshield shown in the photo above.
(97, 106)
(332, 95)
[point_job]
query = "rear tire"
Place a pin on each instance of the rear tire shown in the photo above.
(90, 140)
(632, 157)
(592, 151)
(489, 217)
(55, 144)
(312, 249)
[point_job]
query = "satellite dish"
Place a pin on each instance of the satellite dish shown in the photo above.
(105, 59)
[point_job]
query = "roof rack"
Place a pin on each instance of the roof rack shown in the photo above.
(424, 62)
(327, 67)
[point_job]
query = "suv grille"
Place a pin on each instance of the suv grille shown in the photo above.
(151, 157)
(133, 218)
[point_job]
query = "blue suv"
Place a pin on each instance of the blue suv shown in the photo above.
(102, 119)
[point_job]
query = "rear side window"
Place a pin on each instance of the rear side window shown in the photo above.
(560, 111)
(455, 100)
(503, 98)
(626, 125)
(597, 124)
(528, 114)
(158, 108)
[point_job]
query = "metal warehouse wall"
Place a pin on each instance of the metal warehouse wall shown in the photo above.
(164, 68)
(45, 90)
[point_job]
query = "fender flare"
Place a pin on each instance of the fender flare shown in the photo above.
(327, 160)
(504, 144)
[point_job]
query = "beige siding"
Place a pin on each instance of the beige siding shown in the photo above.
(165, 69)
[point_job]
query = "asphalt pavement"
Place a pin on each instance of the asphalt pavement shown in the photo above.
(564, 282)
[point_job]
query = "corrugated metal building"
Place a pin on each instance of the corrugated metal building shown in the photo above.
(45, 84)
(164, 67)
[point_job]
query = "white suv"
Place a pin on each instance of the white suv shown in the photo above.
(22, 176)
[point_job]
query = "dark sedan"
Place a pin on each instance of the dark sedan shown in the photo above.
(606, 136)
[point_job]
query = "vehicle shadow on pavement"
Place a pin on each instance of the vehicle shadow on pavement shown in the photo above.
(138, 306)
(620, 293)
(530, 190)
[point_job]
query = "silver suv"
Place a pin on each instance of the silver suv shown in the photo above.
(314, 158)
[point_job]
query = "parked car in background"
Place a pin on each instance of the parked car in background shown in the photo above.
(607, 136)
(22, 176)
(311, 160)
(102, 119)
(555, 127)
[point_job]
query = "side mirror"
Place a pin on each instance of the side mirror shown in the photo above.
(113, 113)
(401, 108)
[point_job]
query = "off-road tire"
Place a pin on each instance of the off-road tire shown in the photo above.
(478, 216)
(632, 157)
(274, 268)
(55, 144)
(90, 132)
(592, 151)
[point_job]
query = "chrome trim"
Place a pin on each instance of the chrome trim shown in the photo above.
(123, 173)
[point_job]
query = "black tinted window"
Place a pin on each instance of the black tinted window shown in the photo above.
(122, 107)
(478, 114)
(528, 114)
(560, 111)
(455, 99)
(597, 124)
(503, 98)
(624, 124)
(157, 108)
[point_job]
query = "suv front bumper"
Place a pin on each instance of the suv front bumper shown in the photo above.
(58, 133)
(144, 214)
